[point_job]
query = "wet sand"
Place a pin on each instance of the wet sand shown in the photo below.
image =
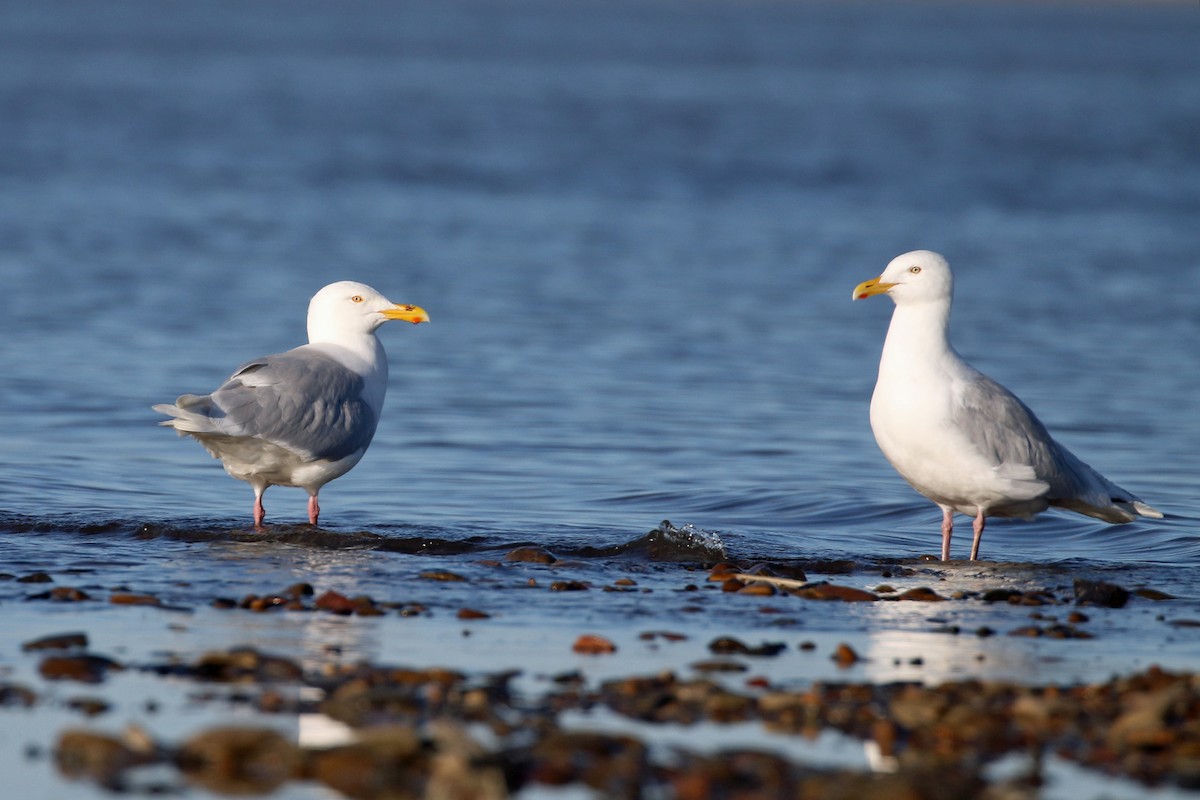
(533, 676)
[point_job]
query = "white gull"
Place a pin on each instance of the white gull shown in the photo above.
(304, 417)
(961, 439)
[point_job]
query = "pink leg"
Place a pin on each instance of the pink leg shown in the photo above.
(978, 526)
(259, 512)
(314, 510)
(947, 529)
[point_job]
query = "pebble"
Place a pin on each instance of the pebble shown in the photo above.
(591, 644)
(58, 641)
(83, 668)
(830, 591)
(531, 555)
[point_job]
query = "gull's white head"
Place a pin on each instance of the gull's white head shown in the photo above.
(919, 276)
(347, 309)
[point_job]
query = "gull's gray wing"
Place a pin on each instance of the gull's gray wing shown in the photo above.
(1006, 431)
(302, 400)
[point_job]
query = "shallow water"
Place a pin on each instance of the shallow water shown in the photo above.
(635, 227)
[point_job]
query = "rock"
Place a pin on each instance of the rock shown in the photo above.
(727, 645)
(829, 591)
(239, 761)
(718, 665)
(83, 668)
(58, 641)
(12, 694)
(471, 613)
(335, 603)
(35, 577)
(613, 765)
(94, 756)
(845, 656)
(127, 599)
(90, 706)
(385, 762)
(1100, 593)
(530, 555)
(1153, 594)
(922, 594)
(591, 644)
(568, 586)
(442, 575)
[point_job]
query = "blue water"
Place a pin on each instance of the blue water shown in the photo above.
(635, 226)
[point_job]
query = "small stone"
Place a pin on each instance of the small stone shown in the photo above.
(1100, 593)
(89, 706)
(442, 575)
(591, 644)
(807, 646)
(568, 586)
(335, 603)
(758, 589)
(845, 656)
(83, 668)
(718, 665)
(530, 555)
(239, 761)
(471, 613)
(12, 694)
(922, 594)
(829, 591)
(101, 758)
(35, 577)
(58, 641)
(625, 582)
(1153, 594)
(124, 599)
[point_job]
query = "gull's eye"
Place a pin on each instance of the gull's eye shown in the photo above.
(408, 308)
(914, 270)
(358, 298)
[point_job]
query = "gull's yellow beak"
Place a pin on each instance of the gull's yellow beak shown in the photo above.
(868, 288)
(413, 314)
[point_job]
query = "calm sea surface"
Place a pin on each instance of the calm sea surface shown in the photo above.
(635, 226)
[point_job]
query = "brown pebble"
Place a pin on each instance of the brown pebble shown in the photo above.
(239, 761)
(130, 599)
(335, 603)
(1076, 617)
(58, 641)
(101, 758)
(471, 613)
(1153, 594)
(758, 589)
(442, 575)
(89, 706)
(922, 594)
(807, 646)
(732, 585)
(531, 555)
(845, 655)
(719, 665)
(68, 594)
(625, 582)
(568, 586)
(591, 644)
(12, 694)
(1100, 593)
(83, 668)
(830, 591)
(35, 577)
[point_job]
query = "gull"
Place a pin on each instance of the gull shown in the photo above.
(306, 416)
(959, 437)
